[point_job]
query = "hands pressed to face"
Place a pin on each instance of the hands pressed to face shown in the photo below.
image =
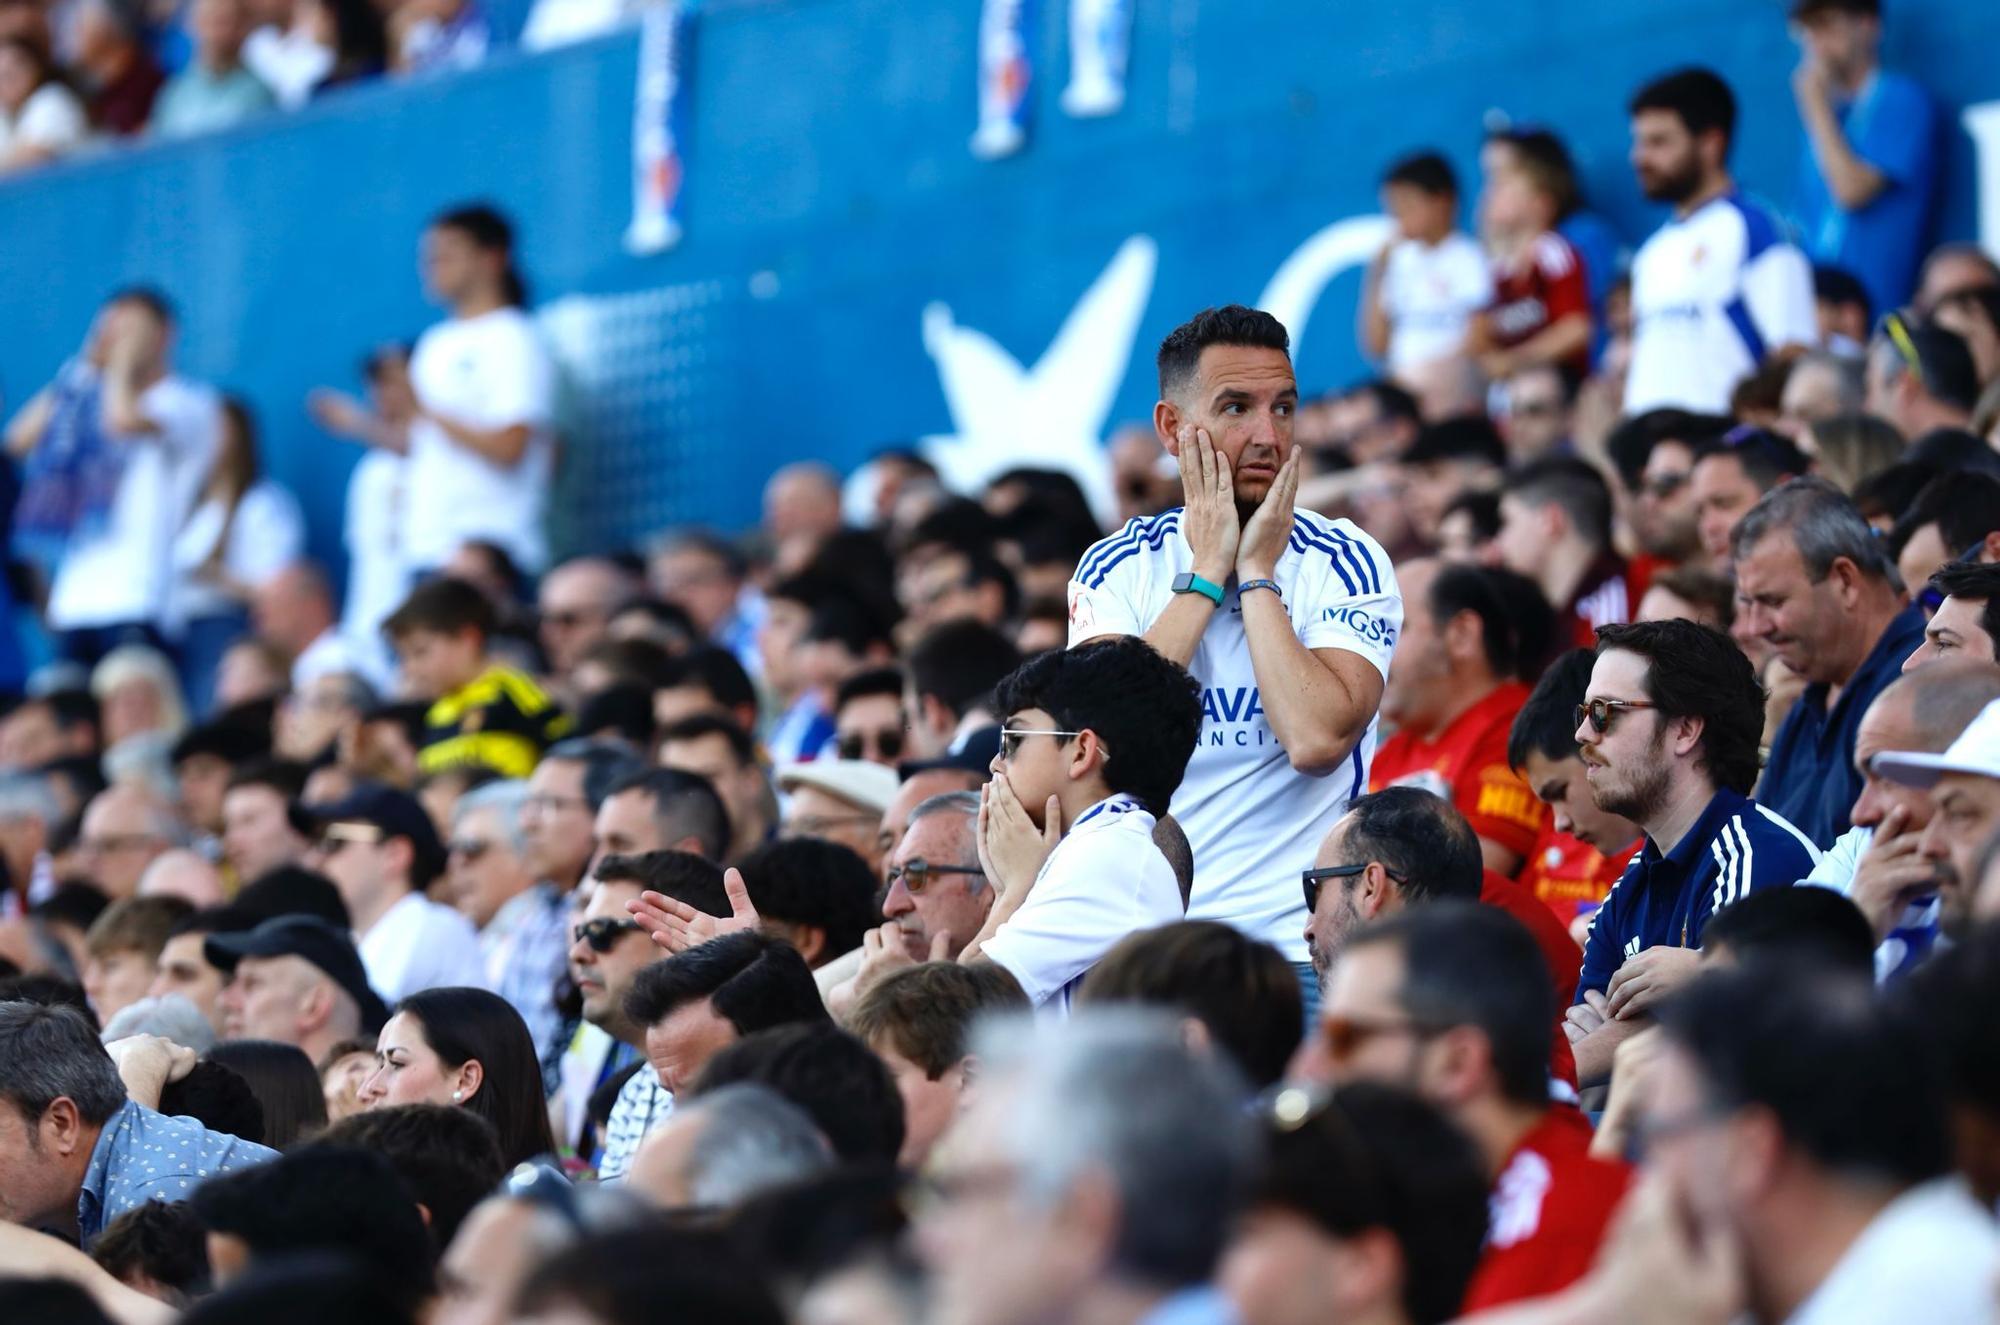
(1221, 539)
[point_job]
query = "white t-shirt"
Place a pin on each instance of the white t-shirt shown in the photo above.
(124, 573)
(1712, 294)
(51, 119)
(420, 944)
(1253, 821)
(1930, 1255)
(1430, 293)
(1104, 880)
(377, 577)
(288, 61)
(268, 534)
(490, 371)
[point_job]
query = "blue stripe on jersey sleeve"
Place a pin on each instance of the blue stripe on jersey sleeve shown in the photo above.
(1366, 567)
(1302, 544)
(1135, 529)
(1760, 228)
(1341, 549)
(1152, 538)
(1739, 317)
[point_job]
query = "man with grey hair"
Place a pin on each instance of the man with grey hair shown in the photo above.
(575, 603)
(1814, 584)
(75, 1152)
(1822, 385)
(937, 898)
(28, 811)
(490, 882)
(719, 1150)
(1097, 1177)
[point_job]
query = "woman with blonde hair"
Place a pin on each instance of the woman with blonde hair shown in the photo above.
(138, 692)
(1850, 449)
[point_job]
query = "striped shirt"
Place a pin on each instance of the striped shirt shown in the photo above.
(499, 720)
(1736, 847)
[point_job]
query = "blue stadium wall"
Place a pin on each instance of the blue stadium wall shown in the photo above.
(838, 231)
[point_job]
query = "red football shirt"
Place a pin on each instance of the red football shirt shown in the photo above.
(1601, 600)
(1466, 764)
(1559, 950)
(1568, 876)
(1547, 1213)
(1540, 288)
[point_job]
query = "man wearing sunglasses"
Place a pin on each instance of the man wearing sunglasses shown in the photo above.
(1669, 731)
(1285, 618)
(1920, 377)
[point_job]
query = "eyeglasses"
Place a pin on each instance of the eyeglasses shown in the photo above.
(570, 620)
(916, 874)
(1662, 486)
(112, 842)
(1600, 712)
(547, 803)
(1534, 409)
(1345, 1035)
(1010, 738)
(467, 850)
(1897, 331)
(335, 838)
(1314, 877)
(888, 744)
(603, 932)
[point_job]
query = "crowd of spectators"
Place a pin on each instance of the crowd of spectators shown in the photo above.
(1517, 838)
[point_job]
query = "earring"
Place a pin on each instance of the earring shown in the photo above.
(458, 1097)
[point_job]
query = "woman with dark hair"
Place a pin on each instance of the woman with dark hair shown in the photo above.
(242, 532)
(284, 1081)
(468, 1047)
(40, 118)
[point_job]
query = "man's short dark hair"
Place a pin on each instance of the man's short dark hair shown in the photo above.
(1468, 964)
(869, 683)
(1892, 493)
(701, 725)
(1232, 324)
(219, 1099)
(1572, 484)
(622, 1278)
(1466, 437)
(162, 1240)
(322, 1198)
(1824, 525)
(814, 882)
(752, 980)
(1375, 1156)
(1516, 624)
(46, 989)
(1847, 1084)
(49, 1053)
(284, 776)
(621, 711)
(1975, 582)
(1699, 98)
(1242, 990)
(958, 664)
(830, 1074)
(1767, 458)
(308, 1288)
(1392, 402)
(1797, 925)
(684, 805)
(1964, 505)
(1421, 837)
(716, 670)
(1698, 672)
(149, 297)
(449, 1158)
(1144, 707)
(1426, 172)
(1944, 363)
(605, 764)
(1546, 724)
(681, 875)
(926, 1012)
(442, 606)
(1841, 288)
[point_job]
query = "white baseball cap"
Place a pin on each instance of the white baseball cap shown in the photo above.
(1975, 752)
(861, 784)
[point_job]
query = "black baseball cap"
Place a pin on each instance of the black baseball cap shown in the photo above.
(331, 950)
(974, 754)
(396, 814)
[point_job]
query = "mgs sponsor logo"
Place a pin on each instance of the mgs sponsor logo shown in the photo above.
(1365, 624)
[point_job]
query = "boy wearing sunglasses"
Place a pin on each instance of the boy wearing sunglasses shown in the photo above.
(1096, 739)
(1669, 730)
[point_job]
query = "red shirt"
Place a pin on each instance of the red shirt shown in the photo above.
(1466, 764)
(1601, 600)
(1559, 950)
(1568, 876)
(1536, 290)
(1546, 1214)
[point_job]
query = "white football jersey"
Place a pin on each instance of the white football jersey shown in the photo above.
(1253, 821)
(1712, 294)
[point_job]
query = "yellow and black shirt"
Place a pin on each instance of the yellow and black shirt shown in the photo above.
(499, 720)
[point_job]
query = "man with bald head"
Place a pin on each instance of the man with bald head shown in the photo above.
(124, 829)
(1879, 863)
(294, 611)
(185, 874)
(576, 604)
(801, 508)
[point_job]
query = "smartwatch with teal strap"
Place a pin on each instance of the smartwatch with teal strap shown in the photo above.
(1186, 582)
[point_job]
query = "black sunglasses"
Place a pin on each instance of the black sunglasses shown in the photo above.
(1314, 877)
(1600, 712)
(603, 933)
(888, 744)
(916, 874)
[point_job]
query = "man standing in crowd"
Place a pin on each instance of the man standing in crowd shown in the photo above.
(481, 451)
(1452, 1000)
(1286, 620)
(1669, 730)
(1814, 584)
(1716, 289)
(1471, 636)
(147, 437)
(1870, 167)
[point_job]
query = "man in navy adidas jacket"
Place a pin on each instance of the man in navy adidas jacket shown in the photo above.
(1668, 735)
